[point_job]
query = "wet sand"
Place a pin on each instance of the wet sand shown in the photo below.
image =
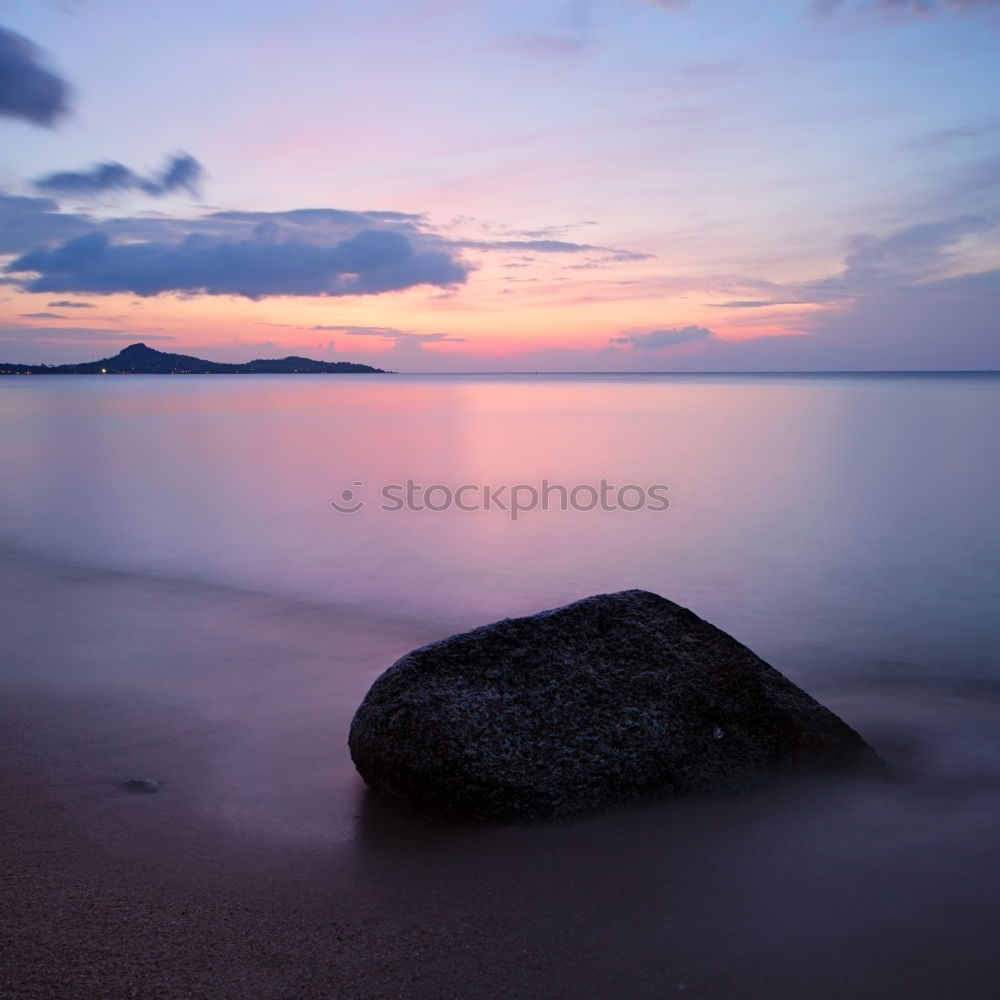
(261, 868)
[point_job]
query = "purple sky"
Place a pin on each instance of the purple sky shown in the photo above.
(440, 186)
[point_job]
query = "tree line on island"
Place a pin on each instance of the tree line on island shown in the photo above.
(138, 359)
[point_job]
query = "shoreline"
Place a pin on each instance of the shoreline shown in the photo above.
(262, 868)
(119, 895)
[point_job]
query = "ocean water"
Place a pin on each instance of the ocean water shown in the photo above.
(183, 600)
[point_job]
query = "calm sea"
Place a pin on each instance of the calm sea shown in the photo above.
(171, 545)
(846, 518)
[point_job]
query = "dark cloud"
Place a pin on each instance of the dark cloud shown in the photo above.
(254, 254)
(41, 315)
(182, 172)
(28, 90)
(69, 304)
(152, 253)
(30, 222)
(367, 263)
(656, 339)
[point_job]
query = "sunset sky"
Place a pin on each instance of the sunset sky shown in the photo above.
(504, 185)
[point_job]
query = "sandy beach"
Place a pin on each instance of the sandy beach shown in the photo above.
(329, 331)
(285, 879)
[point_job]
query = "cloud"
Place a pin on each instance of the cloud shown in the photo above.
(942, 324)
(304, 252)
(28, 90)
(10, 334)
(983, 175)
(41, 315)
(875, 265)
(553, 247)
(935, 326)
(226, 256)
(753, 303)
(948, 136)
(319, 218)
(29, 222)
(657, 339)
(182, 171)
(536, 246)
(827, 7)
(568, 34)
(399, 337)
(907, 256)
(68, 304)
(389, 332)
(254, 254)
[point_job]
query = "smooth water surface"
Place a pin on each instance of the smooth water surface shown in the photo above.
(182, 601)
(854, 512)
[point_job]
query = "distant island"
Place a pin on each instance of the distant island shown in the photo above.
(138, 359)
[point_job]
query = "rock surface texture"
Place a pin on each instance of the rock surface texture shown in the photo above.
(617, 698)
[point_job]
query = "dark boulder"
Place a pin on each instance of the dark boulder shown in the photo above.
(617, 698)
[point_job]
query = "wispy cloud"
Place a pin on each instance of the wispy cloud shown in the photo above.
(753, 303)
(567, 34)
(534, 246)
(182, 172)
(547, 246)
(874, 265)
(907, 256)
(41, 335)
(827, 7)
(392, 334)
(950, 136)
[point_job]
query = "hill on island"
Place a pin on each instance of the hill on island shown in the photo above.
(138, 359)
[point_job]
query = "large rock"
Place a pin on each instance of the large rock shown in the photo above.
(616, 698)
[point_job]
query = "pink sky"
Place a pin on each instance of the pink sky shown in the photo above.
(602, 185)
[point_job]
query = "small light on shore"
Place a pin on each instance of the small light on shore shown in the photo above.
(104, 371)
